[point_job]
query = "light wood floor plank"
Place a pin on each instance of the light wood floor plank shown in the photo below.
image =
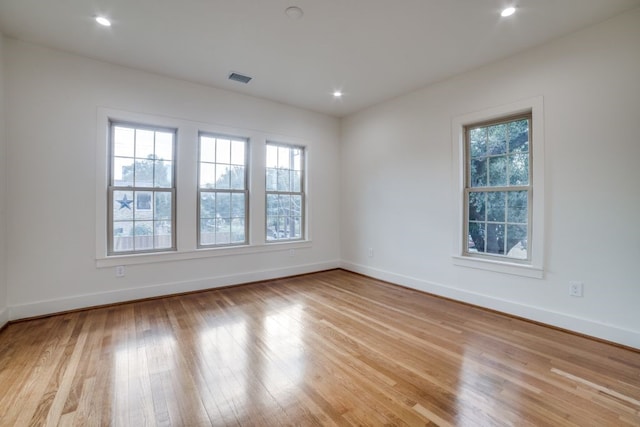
(327, 349)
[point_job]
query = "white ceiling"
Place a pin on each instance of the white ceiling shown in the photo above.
(371, 49)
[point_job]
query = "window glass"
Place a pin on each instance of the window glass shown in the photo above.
(141, 189)
(498, 191)
(285, 192)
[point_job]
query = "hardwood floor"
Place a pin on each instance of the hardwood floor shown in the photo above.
(331, 348)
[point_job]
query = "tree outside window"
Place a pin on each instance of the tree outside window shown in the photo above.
(498, 188)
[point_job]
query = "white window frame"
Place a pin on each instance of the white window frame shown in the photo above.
(301, 193)
(230, 191)
(534, 266)
(138, 189)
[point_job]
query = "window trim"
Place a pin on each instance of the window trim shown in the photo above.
(112, 123)
(247, 166)
(302, 193)
(534, 266)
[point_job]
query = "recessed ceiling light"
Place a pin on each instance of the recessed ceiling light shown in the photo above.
(103, 21)
(508, 11)
(294, 12)
(337, 94)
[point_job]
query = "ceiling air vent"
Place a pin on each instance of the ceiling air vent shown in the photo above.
(239, 78)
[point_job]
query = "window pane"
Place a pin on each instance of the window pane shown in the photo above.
(296, 206)
(497, 171)
(123, 142)
(272, 179)
(518, 211)
(223, 151)
(122, 172)
(144, 173)
(207, 205)
(237, 231)
(237, 153)
(122, 205)
(223, 177)
(223, 208)
(297, 160)
(162, 205)
(162, 238)
(479, 172)
(478, 142)
(517, 241)
(271, 227)
(144, 144)
(296, 181)
(143, 235)
(477, 237)
(162, 174)
(207, 175)
(283, 180)
(143, 207)
(519, 169)
(284, 204)
(164, 146)
(298, 227)
(223, 231)
(272, 204)
(122, 236)
(207, 149)
(496, 206)
(519, 136)
(497, 139)
(283, 157)
(495, 239)
(237, 177)
(207, 232)
(272, 156)
(237, 205)
(477, 206)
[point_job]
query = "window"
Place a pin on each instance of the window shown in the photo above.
(285, 192)
(499, 204)
(222, 191)
(178, 189)
(142, 192)
(498, 188)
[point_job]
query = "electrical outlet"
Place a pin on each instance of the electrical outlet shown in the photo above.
(120, 271)
(292, 252)
(370, 252)
(576, 289)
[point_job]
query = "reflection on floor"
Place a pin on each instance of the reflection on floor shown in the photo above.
(330, 348)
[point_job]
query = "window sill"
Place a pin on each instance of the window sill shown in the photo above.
(500, 266)
(149, 258)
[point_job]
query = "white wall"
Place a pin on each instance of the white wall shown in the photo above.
(52, 126)
(397, 193)
(4, 313)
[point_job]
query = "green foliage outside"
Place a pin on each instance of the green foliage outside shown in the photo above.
(499, 157)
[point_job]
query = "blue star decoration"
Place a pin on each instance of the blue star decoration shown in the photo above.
(125, 203)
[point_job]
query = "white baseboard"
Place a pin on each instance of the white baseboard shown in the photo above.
(588, 327)
(4, 317)
(40, 308)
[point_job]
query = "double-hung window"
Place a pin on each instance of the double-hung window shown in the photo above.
(285, 196)
(498, 188)
(223, 194)
(142, 190)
